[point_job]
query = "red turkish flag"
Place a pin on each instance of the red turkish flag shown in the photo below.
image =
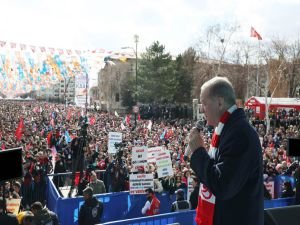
(92, 120)
(254, 33)
(19, 130)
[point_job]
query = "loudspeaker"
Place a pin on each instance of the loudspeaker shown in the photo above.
(11, 164)
(289, 215)
(293, 147)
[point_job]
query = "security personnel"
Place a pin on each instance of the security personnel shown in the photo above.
(180, 204)
(91, 211)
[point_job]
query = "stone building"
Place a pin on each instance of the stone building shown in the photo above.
(110, 79)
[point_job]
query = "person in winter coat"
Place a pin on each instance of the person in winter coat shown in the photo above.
(60, 167)
(231, 170)
(91, 211)
(96, 184)
(180, 204)
(195, 193)
(42, 215)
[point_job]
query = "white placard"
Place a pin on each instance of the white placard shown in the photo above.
(153, 153)
(190, 187)
(113, 137)
(138, 183)
(81, 86)
(139, 157)
(164, 164)
(13, 205)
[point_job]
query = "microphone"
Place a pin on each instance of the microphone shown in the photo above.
(199, 125)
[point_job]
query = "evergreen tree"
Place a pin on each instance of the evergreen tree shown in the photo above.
(185, 66)
(127, 94)
(156, 75)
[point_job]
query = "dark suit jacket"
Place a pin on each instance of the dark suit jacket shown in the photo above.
(235, 175)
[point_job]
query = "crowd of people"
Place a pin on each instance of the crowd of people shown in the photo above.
(50, 144)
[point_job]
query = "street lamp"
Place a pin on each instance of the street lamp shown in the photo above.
(135, 108)
(136, 40)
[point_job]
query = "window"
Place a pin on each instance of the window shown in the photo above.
(117, 97)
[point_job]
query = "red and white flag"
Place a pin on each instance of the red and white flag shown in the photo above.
(19, 130)
(92, 120)
(255, 34)
(122, 126)
(32, 48)
(128, 118)
(149, 125)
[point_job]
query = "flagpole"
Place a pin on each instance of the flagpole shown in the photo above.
(257, 73)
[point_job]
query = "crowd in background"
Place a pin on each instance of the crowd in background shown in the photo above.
(50, 144)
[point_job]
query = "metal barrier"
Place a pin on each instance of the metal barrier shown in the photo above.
(62, 181)
(182, 218)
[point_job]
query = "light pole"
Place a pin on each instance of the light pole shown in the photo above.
(135, 108)
(136, 40)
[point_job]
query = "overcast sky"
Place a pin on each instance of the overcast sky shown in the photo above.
(111, 24)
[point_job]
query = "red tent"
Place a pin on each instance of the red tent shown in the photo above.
(258, 104)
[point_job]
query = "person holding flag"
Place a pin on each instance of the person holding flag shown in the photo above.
(231, 170)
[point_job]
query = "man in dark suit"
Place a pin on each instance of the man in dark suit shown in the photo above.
(231, 171)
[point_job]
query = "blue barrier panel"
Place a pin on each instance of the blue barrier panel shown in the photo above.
(117, 206)
(281, 202)
(186, 218)
(279, 180)
(120, 206)
(52, 195)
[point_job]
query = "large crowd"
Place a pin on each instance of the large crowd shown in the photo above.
(50, 144)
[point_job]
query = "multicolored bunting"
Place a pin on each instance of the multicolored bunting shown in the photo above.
(25, 68)
(2, 43)
(13, 45)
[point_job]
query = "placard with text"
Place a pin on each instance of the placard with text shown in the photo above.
(138, 183)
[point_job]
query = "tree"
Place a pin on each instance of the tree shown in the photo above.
(185, 69)
(275, 71)
(294, 69)
(127, 94)
(156, 80)
(216, 41)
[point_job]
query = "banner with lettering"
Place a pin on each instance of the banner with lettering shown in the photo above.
(153, 152)
(164, 164)
(138, 183)
(13, 205)
(113, 138)
(81, 90)
(139, 158)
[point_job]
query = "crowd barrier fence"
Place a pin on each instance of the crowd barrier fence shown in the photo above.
(121, 206)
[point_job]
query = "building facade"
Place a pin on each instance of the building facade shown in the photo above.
(110, 80)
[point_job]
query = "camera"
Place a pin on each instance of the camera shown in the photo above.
(120, 145)
(120, 152)
(83, 124)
